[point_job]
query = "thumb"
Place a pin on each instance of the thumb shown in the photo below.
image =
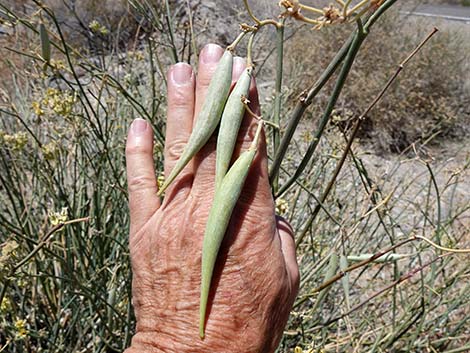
(141, 180)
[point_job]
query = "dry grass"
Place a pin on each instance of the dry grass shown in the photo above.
(71, 293)
(430, 100)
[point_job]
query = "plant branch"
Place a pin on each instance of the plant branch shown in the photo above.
(356, 127)
(259, 22)
(278, 95)
(383, 290)
(307, 97)
(351, 55)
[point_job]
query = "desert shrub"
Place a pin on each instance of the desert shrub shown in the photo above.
(62, 134)
(427, 102)
(92, 26)
(65, 287)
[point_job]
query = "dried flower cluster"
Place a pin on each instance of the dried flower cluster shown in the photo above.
(328, 15)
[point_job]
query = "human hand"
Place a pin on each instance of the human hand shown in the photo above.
(256, 276)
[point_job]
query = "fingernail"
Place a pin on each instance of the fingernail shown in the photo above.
(139, 126)
(181, 73)
(211, 53)
(239, 65)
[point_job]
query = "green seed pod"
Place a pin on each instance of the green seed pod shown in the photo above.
(45, 43)
(230, 124)
(225, 199)
(382, 259)
(343, 265)
(209, 116)
(330, 272)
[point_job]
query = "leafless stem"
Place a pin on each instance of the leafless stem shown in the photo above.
(356, 130)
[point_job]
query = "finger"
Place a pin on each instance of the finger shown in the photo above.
(208, 60)
(204, 165)
(141, 180)
(257, 190)
(239, 64)
(286, 235)
(181, 100)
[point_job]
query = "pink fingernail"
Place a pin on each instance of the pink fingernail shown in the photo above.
(239, 64)
(181, 73)
(139, 126)
(211, 53)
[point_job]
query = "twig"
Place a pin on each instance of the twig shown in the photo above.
(353, 267)
(306, 98)
(383, 290)
(357, 125)
(259, 22)
(38, 247)
(249, 50)
(278, 95)
(171, 35)
(357, 7)
(44, 240)
(191, 28)
(245, 102)
(430, 242)
(311, 9)
(374, 257)
(237, 40)
(350, 57)
(304, 101)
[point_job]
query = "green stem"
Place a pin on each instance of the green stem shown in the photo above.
(357, 125)
(237, 40)
(278, 96)
(171, 35)
(302, 105)
(193, 36)
(307, 99)
(350, 57)
(249, 50)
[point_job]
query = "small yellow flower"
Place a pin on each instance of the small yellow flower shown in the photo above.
(9, 247)
(5, 305)
(37, 108)
(7, 254)
(137, 55)
(282, 206)
(307, 136)
(160, 181)
(61, 103)
(16, 141)
(21, 331)
(96, 27)
(104, 31)
(49, 151)
(300, 350)
(58, 217)
(57, 64)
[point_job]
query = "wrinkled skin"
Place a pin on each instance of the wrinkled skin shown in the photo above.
(256, 276)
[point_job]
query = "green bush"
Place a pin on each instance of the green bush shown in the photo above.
(64, 269)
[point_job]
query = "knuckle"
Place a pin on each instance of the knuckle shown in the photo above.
(138, 149)
(142, 182)
(179, 99)
(174, 149)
